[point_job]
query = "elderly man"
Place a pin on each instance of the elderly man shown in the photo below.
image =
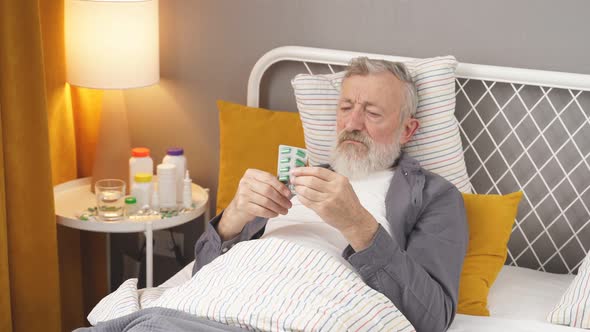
(400, 227)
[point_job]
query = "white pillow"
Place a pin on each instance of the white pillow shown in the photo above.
(119, 303)
(573, 308)
(436, 144)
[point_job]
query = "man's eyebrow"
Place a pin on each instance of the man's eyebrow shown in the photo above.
(365, 104)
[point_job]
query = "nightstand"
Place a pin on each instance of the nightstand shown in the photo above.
(74, 196)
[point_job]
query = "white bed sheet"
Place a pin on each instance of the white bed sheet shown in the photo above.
(519, 301)
(466, 323)
(521, 293)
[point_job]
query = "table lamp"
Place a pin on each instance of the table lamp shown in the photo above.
(112, 45)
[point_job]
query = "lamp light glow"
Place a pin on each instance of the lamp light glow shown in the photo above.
(112, 44)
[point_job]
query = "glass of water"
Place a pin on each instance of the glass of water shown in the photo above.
(110, 199)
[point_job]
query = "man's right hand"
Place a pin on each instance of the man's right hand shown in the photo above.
(259, 194)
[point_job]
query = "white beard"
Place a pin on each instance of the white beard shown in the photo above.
(358, 161)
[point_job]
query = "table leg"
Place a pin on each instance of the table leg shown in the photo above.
(207, 216)
(149, 255)
(108, 247)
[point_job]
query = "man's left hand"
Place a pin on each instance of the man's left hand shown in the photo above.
(332, 197)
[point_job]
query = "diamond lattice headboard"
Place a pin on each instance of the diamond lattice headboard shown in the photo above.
(522, 129)
(534, 139)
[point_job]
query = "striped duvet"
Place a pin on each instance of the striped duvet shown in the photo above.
(268, 285)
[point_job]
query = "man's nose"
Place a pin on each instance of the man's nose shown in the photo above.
(356, 120)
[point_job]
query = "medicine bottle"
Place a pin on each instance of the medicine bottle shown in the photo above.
(167, 186)
(176, 157)
(142, 189)
(130, 206)
(140, 162)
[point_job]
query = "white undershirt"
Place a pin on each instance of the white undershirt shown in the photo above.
(303, 226)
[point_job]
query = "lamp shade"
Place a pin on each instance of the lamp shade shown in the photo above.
(112, 44)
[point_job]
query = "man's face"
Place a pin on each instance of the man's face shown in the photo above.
(368, 124)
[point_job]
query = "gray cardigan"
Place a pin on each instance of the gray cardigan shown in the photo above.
(418, 267)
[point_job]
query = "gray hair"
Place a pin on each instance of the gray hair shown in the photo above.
(364, 66)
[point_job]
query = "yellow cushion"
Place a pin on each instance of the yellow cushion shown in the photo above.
(249, 138)
(490, 219)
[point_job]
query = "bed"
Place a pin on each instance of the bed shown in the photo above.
(521, 129)
(515, 301)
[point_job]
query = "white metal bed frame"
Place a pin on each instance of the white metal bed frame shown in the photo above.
(464, 70)
(515, 79)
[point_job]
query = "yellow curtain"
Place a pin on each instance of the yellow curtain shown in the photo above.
(31, 241)
(63, 155)
(47, 136)
(5, 310)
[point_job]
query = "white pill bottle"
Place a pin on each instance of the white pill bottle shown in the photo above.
(175, 156)
(167, 186)
(140, 162)
(142, 189)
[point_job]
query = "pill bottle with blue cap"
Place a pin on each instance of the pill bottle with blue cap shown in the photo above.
(175, 156)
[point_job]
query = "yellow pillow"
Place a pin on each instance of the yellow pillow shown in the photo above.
(249, 138)
(490, 219)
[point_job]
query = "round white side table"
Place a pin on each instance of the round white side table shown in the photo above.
(74, 196)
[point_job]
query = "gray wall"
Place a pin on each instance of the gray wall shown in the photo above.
(209, 47)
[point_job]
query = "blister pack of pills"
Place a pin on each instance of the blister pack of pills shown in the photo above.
(290, 157)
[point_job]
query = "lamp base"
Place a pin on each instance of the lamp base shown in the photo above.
(113, 148)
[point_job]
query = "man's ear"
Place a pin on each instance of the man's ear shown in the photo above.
(409, 128)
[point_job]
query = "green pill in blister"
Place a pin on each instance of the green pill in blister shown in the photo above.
(290, 157)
